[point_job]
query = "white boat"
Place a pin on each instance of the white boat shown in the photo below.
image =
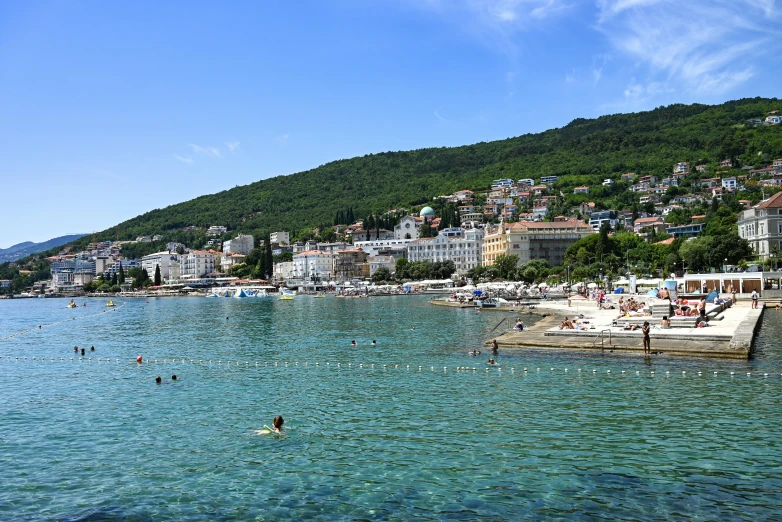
(286, 295)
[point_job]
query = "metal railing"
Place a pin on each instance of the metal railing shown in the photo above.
(601, 336)
(502, 321)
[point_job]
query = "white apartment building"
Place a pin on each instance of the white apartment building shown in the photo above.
(161, 259)
(681, 167)
(241, 244)
(217, 230)
(548, 180)
(312, 264)
(729, 183)
(280, 238)
(373, 248)
(465, 251)
(761, 225)
(196, 264)
(387, 262)
(283, 271)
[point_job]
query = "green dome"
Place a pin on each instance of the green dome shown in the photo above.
(427, 212)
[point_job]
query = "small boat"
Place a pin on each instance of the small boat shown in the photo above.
(110, 304)
(286, 295)
(72, 304)
(320, 296)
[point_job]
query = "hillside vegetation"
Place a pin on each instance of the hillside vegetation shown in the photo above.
(584, 152)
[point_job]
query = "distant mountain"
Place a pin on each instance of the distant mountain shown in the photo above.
(27, 248)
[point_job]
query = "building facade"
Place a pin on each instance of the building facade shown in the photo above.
(197, 264)
(312, 264)
(761, 225)
(159, 259)
(351, 264)
(280, 238)
(241, 244)
(464, 250)
(407, 228)
(534, 240)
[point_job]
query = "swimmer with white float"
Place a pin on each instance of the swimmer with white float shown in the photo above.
(277, 426)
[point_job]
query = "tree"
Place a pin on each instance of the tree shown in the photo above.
(158, 279)
(506, 265)
(381, 274)
(121, 277)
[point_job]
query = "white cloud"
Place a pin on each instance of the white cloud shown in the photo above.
(282, 139)
(441, 118)
(698, 46)
(184, 159)
(494, 23)
(233, 146)
(209, 151)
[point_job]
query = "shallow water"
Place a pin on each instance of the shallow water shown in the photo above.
(95, 440)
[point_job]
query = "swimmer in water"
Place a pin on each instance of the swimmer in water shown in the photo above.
(75, 349)
(173, 377)
(82, 351)
(374, 342)
(159, 379)
(353, 342)
(276, 426)
(491, 361)
(92, 348)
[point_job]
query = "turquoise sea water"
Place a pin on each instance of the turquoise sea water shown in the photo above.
(97, 440)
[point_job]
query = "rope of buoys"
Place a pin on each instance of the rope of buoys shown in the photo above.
(369, 366)
(48, 325)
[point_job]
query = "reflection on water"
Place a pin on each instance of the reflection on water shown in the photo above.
(94, 440)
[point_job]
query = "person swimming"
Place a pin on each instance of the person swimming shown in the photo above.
(159, 379)
(353, 342)
(173, 377)
(276, 426)
(474, 353)
(492, 361)
(374, 342)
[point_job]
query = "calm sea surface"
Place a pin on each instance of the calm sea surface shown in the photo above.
(97, 440)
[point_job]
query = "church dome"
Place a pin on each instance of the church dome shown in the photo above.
(427, 212)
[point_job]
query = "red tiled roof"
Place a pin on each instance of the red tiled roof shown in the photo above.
(774, 201)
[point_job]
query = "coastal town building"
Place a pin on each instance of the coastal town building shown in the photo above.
(280, 238)
(376, 262)
(407, 228)
(464, 250)
(197, 264)
(384, 246)
(533, 240)
(548, 180)
(158, 259)
(598, 219)
(313, 264)
(761, 225)
(691, 230)
(284, 271)
(350, 265)
(229, 259)
(241, 244)
(217, 230)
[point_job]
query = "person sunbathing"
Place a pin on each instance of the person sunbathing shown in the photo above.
(567, 324)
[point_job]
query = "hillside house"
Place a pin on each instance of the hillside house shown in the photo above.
(639, 187)
(777, 164)
(524, 197)
(701, 168)
(680, 167)
(726, 163)
(691, 230)
(773, 120)
(729, 183)
(655, 222)
(548, 180)
(628, 176)
(587, 207)
(527, 182)
(463, 195)
(651, 180)
(581, 190)
(539, 190)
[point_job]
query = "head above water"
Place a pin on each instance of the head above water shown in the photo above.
(278, 422)
(158, 379)
(173, 377)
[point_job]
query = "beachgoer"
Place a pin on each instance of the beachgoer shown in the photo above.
(226, 317)
(519, 326)
(702, 308)
(374, 342)
(173, 377)
(754, 299)
(159, 379)
(494, 346)
(733, 296)
(566, 324)
(277, 423)
(353, 342)
(92, 348)
(75, 349)
(647, 340)
(491, 361)
(665, 323)
(82, 351)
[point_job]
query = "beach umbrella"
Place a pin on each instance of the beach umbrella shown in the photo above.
(652, 292)
(592, 285)
(712, 296)
(477, 292)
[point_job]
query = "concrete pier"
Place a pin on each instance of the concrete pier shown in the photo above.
(730, 334)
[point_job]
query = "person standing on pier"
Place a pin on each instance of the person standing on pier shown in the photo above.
(647, 340)
(754, 299)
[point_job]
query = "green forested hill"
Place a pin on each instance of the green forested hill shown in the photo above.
(583, 152)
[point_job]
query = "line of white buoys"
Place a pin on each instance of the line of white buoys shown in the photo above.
(362, 366)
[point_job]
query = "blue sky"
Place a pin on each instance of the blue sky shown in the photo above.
(111, 109)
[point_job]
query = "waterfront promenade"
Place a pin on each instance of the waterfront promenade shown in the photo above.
(729, 334)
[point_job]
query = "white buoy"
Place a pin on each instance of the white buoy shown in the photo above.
(623, 371)
(608, 371)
